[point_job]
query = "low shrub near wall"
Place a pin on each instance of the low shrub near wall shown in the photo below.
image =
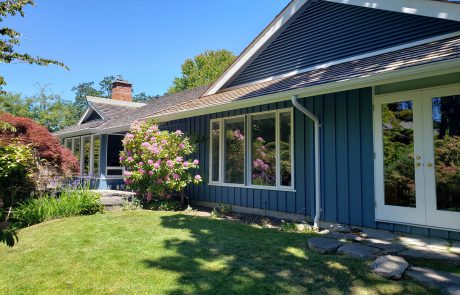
(69, 203)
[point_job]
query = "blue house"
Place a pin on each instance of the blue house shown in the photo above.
(340, 111)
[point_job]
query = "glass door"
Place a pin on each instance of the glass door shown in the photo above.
(399, 175)
(442, 149)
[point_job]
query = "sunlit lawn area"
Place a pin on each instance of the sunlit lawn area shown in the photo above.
(145, 252)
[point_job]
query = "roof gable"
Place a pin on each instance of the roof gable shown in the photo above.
(321, 32)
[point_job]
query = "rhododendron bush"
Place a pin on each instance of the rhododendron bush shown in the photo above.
(157, 162)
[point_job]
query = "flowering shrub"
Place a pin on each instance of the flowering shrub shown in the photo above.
(156, 161)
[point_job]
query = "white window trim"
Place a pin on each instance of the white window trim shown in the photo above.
(91, 153)
(248, 151)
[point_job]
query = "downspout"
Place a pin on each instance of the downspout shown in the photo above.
(315, 120)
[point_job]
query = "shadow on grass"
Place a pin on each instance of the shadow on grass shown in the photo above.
(224, 257)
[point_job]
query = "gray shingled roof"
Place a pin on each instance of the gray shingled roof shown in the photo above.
(193, 99)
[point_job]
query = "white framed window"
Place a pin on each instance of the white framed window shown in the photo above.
(254, 150)
(87, 150)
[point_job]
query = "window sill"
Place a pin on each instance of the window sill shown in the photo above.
(287, 189)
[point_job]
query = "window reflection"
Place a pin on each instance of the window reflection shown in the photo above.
(446, 125)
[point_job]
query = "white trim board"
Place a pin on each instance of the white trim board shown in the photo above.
(450, 11)
(89, 110)
(114, 102)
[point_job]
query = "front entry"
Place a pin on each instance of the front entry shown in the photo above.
(417, 157)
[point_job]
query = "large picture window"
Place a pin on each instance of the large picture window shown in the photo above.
(253, 150)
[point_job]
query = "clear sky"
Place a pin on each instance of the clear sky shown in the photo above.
(145, 41)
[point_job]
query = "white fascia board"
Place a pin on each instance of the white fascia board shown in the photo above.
(436, 9)
(257, 44)
(89, 110)
(114, 102)
(416, 72)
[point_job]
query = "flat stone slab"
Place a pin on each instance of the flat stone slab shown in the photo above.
(390, 267)
(455, 248)
(452, 290)
(430, 254)
(422, 241)
(358, 251)
(324, 245)
(386, 246)
(345, 236)
(112, 201)
(378, 234)
(434, 278)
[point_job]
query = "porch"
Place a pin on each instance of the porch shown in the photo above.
(98, 155)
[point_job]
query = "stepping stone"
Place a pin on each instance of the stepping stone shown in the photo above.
(341, 228)
(434, 279)
(421, 241)
(358, 251)
(455, 248)
(386, 246)
(430, 254)
(345, 236)
(452, 290)
(378, 234)
(324, 245)
(390, 267)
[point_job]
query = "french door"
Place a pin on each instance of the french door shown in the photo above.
(417, 157)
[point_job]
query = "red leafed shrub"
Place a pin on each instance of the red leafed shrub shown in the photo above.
(45, 145)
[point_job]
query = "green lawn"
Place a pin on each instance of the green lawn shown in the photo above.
(145, 252)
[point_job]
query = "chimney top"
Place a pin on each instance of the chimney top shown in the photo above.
(121, 89)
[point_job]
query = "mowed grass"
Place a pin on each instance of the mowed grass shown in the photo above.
(145, 252)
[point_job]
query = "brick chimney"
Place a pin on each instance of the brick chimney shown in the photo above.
(121, 89)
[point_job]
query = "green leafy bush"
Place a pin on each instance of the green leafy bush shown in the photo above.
(69, 203)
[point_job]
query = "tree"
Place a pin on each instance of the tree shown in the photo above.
(48, 109)
(83, 90)
(9, 38)
(141, 97)
(202, 70)
(105, 86)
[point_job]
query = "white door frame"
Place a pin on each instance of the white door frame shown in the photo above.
(412, 215)
(425, 213)
(434, 217)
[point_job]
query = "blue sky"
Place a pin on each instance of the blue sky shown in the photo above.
(145, 41)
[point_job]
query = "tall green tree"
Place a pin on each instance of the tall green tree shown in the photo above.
(10, 38)
(142, 97)
(203, 69)
(83, 90)
(45, 107)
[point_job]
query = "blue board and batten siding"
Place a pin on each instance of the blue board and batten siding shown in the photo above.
(347, 160)
(323, 32)
(347, 163)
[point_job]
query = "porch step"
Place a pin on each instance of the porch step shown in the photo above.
(112, 199)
